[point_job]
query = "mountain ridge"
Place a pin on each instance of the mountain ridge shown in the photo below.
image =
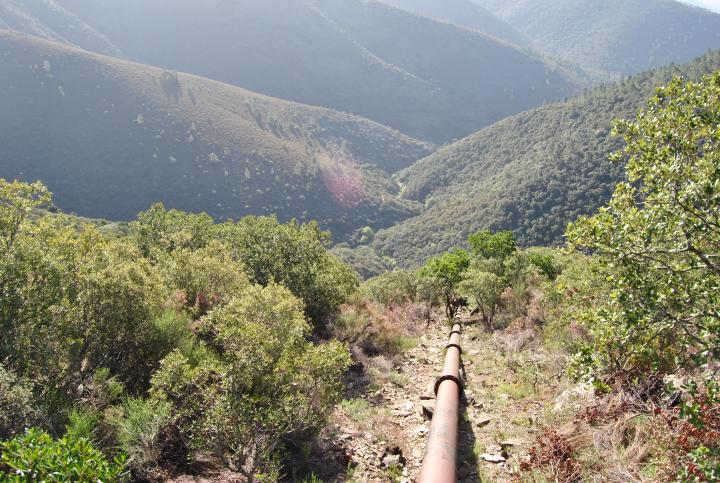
(531, 173)
(620, 37)
(429, 79)
(143, 134)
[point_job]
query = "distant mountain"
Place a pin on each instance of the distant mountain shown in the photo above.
(616, 36)
(110, 137)
(463, 13)
(47, 19)
(429, 79)
(531, 173)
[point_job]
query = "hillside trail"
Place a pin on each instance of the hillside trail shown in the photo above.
(383, 430)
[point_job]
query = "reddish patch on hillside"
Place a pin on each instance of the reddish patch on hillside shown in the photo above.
(344, 182)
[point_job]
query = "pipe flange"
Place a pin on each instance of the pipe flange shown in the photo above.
(455, 332)
(449, 377)
(457, 346)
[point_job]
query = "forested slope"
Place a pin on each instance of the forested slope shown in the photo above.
(429, 79)
(464, 13)
(616, 36)
(531, 173)
(111, 137)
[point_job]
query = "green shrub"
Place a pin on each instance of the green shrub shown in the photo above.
(139, 432)
(18, 409)
(445, 273)
(294, 255)
(35, 456)
(158, 231)
(582, 285)
(172, 331)
(391, 288)
(660, 236)
(82, 424)
(262, 384)
(203, 277)
(485, 289)
(545, 264)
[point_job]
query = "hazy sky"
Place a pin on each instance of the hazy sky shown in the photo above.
(711, 4)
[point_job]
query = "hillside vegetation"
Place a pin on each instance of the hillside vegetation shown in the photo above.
(146, 346)
(110, 137)
(616, 36)
(430, 80)
(531, 173)
(176, 348)
(47, 19)
(464, 13)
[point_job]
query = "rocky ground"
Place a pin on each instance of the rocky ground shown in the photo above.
(511, 393)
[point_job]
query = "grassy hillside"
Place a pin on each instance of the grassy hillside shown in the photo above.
(617, 36)
(531, 173)
(47, 19)
(464, 13)
(110, 137)
(429, 79)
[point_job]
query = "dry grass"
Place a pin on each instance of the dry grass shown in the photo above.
(378, 330)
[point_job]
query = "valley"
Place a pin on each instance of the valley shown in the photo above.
(406, 241)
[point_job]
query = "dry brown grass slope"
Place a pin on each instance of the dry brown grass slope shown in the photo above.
(109, 137)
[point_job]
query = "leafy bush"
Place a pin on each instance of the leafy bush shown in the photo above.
(157, 231)
(391, 288)
(545, 264)
(292, 254)
(262, 385)
(700, 433)
(486, 290)
(35, 456)
(691, 433)
(94, 308)
(18, 409)
(296, 256)
(446, 271)
(82, 424)
(139, 432)
(661, 235)
(486, 244)
(172, 331)
(203, 277)
(583, 284)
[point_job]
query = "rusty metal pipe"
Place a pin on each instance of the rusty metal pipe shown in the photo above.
(440, 460)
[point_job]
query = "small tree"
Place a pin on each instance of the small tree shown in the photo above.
(159, 230)
(660, 234)
(486, 290)
(486, 244)
(17, 202)
(296, 256)
(446, 273)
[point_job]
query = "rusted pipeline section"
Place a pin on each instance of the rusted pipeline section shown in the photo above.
(440, 461)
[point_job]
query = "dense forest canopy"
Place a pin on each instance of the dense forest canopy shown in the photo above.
(532, 173)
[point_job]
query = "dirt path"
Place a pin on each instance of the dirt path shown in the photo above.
(383, 429)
